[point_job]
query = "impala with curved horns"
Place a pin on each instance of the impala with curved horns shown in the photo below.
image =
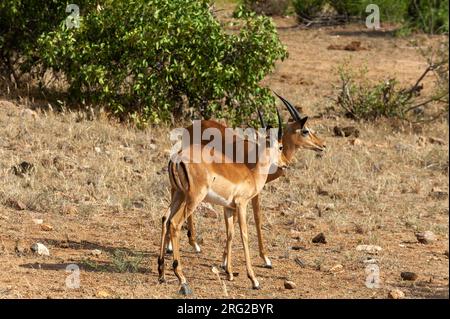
(229, 184)
(296, 136)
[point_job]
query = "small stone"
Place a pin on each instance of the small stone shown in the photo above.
(20, 248)
(337, 268)
(370, 261)
(396, 294)
(16, 204)
(97, 149)
(128, 159)
(96, 252)
(319, 239)
(46, 227)
(103, 294)
(40, 249)
(152, 146)
(371, 249)
(38, 221)
(407, 275)
(355, 142)
(426, 237)
(289, 284)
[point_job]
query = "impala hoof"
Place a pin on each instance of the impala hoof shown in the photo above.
(267, 263)
(169, 251)
(185, 290)
(258, 287)
(197, 248)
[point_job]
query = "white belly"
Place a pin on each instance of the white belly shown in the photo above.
(214, 198)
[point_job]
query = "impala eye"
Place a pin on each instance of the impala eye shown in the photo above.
(305, 131)
(281, 147)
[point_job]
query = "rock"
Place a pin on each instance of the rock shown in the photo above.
(355, 142)
(40, 249)
(152, 146)
(289, 284)
(396, 294)
(23, 168)
(437, 193)
(16, 204)
(103, 294)
(371, 249)
(295, 234)
(337, 268)
(407, 275)
(319, 239)
(435, 140)
(138, 204)
(46, 227)
(97, 149)
(299, 248)
(38, 221)
(28, 113)
(128, 159)
(21, 248)
(346, 131)
(426, 237)
(300, 262)
(96, 252)
(370, 261)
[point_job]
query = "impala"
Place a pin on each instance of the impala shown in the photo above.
(226, 183)
(296, 136)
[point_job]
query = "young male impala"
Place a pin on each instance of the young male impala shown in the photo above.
(222, 182)
(296, 136)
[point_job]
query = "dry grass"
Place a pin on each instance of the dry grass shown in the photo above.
(101, 185)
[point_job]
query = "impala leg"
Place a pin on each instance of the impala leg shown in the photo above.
(177, 203)
(229, 223)
(258, 222)
(175, 228)
(169, 248)
(242, 212)
(192, 234)
(233, 220)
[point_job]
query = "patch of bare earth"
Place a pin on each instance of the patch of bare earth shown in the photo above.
(102, 186)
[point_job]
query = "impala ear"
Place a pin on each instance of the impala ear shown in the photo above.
(303, 121)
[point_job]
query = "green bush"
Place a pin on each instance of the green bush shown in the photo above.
(21, 24)
(430, 16)
(155, 59)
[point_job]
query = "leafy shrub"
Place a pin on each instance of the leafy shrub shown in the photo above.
(429, 16)
(363, 100)
(266, 7)
(155, 58)
(21, 24)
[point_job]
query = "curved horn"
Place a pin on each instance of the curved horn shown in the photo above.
(294, 113)
(261, 119)
(280, 125)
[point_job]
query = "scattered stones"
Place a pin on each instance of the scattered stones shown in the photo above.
(300, 262)
(16, 204)
(371, 249)
(346, 131)
(299, 248)
(289, 284)
(426, 237)
(407, 275)
(396, 294)
(337, 268)
(96, 252)
(46, 227)
(40, 249)
(23, 169)
(370, 260)
(319, 239)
